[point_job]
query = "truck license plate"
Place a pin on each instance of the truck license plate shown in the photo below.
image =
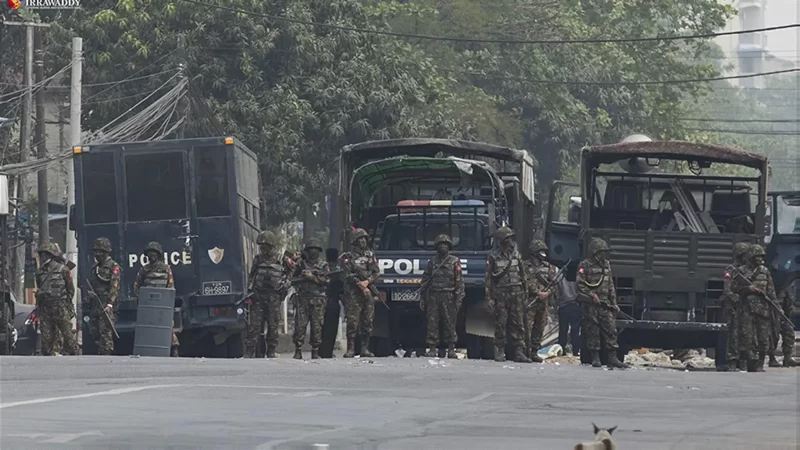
(216, 288)
(405, 295)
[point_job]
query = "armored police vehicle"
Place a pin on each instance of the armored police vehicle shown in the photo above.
(405, 192)
(782, 236)
(671, 216)
(199, 198)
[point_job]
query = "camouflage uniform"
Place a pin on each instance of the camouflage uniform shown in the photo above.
(104, 279)
(505, 289)
(443, 293)
(359, 265)
(756, 317)
(539, 274)
(156, 274)
(731, 306)
(314, 275)
(786, 299)
(54, 294)
(599, 299)
(268, 281)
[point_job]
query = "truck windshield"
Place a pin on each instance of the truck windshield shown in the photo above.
(156, 186)
(788, 214)
(413, 232)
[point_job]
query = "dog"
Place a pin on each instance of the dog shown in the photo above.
(602, 440)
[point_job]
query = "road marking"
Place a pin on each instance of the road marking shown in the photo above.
(313, 394)
(478, 398)
(92, 394)
(64, 438)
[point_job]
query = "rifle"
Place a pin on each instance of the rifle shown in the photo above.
(96, 298)
(740, 276)
(556, 279)
(314, 272)
(370, 290)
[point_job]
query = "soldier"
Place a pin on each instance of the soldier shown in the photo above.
(104, 279)
(756, 316)
(313, 273)
(156, 273)
(505, 291)
(731, 307)
(786, 299)
(360, 272)
(54, 293)
(539, 273)
(268, 279)
(599, 299)
(443, 287)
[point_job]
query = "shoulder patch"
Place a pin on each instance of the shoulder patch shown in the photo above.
(580, 269)
(115, 270)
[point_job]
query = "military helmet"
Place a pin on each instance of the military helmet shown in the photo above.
(313, 243)
(740, 249)
(359, 233)
(267, 238)
(443, 238)
(503, 233)
(597, 245)
(50, 248)
(154, 247)
(537, 245)
(756, 250)
(102, 244)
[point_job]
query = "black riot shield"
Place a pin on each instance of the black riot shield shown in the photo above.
(153, 333)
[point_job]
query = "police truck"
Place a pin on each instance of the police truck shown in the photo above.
(199, 198)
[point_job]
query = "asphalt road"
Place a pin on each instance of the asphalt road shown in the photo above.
(391, 403)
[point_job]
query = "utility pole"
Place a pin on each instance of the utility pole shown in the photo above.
(183, 105)
(74, 140)
(41, 138)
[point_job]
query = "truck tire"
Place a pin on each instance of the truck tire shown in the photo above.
(235, 344)
(6, 320)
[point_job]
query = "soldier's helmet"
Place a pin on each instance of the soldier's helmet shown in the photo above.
(313, 243)
(503, 233)
(359, 233)
(740, 249)
(154, 247)
(266, 238)
(537, 245)
(50, 248)
(757, 250)
(598, 245)
(102, 244)
(443, 238)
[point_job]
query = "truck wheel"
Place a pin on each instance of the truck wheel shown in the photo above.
(235, 344)
(8, 328)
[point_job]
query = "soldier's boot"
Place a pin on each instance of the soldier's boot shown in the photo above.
(314, 353)
(519, 356)
(499, 354)
(365, 353)
(173, 351)
(788, 361)
(432, 352)
(743, 362)
(451, 352)
(760, 363)
(298, 353)
(270, 352)
(351, 349)
(614, 362)
(534, 355)
(733, 365)
(596, 359)
(773, 362)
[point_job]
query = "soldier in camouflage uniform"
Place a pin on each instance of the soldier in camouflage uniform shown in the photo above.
(104, 279)
(756, 317)
(312, 281)
(442, 295)
(156, 273)
(505, 290)
(731, 307)
(782, 328)
(54, 293)
(360, 271)
(599, 299)
(539, 273)
(268, 282)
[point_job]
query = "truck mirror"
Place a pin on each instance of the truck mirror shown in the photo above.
(71, 217)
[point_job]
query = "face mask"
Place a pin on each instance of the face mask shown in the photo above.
(542, 255)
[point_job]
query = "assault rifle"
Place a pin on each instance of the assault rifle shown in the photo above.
(558, 276)
(314, 273)
(96, 298)
(740, 277)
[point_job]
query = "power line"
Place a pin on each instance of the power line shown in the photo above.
(619, 83)
(485, 41)
(110, 82)
(747, 132)
(698, 119)
(130, 78)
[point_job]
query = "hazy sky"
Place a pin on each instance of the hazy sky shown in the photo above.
(784, 43)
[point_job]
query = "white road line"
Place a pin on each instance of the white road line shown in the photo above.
(92, 394)
(64, 438)
(478, 398)
(313, 394)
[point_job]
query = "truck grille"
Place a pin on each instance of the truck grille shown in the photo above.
(671, 252)
(627, 250)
